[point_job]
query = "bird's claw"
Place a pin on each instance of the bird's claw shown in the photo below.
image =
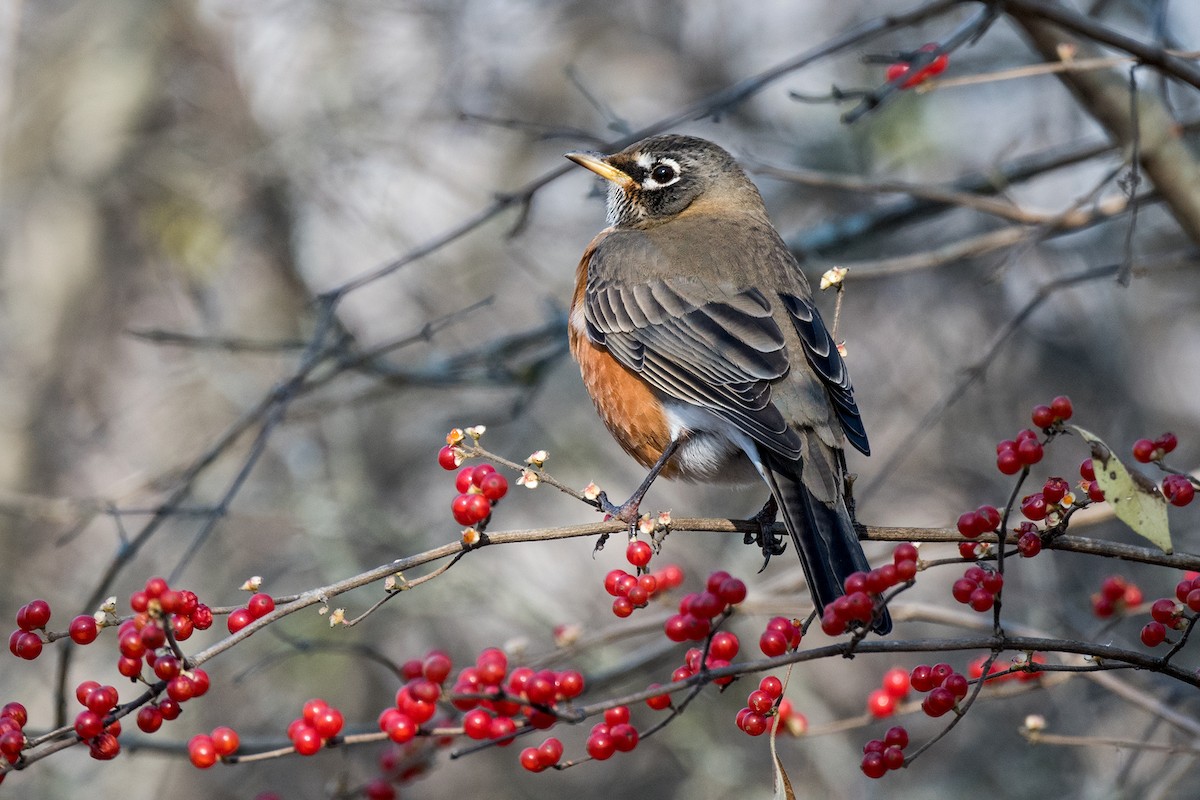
(627, 512)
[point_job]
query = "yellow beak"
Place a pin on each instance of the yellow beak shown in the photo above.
(598, 165)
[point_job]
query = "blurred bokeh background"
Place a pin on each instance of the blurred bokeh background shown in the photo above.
(180, 180)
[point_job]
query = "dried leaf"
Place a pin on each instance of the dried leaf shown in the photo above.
(1135, 499)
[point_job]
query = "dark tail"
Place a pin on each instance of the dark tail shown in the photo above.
(824, 537)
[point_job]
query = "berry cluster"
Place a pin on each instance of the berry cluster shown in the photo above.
(945, 687)
(1115, 595)
(782, 635)
(697, 610)
(901, 68)
(1150, 450)
(12, 734)
(614, 735)
(479, 489)
(497, 702)
(881, 755)
(1051, 502)
(1014, 455)
(722, 649)
(93, 724)
(1048, 418)
(882, 702)
(1167, 613)
(318, 722)
(635, 591)
(547, 754)
(978, 588)
(863, 591)
(259, 605)
(755, 718)
(143, 638)
(204, 749)
(23, 642)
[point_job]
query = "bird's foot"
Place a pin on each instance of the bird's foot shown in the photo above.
(627, 512)
(770, 544)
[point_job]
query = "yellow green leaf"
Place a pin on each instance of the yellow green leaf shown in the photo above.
(1134, 498)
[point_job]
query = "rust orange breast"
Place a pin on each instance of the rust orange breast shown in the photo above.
(626, 404)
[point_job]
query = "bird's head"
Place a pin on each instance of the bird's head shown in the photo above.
(657, 179)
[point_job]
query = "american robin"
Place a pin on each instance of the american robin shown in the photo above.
(698, 340)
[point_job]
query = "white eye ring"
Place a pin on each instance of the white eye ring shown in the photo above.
(663, 173)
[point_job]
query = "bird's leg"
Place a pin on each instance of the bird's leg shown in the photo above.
(770, 544)
(627, 512)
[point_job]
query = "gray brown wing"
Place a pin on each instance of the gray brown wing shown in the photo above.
(720, 353)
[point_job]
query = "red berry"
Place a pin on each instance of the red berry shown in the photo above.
(569, 684)
(1034, 507)
(170, 709)
(622, 607)
(1043, 417)
(101, 699)
(436, 667)
(957, 684)
(1178, 490)
(1062, 408)
(1054, 490)
(612, 581)
(149, 719)
(460, 509)
(921, 678)
(88, 724)
(772, 686)
(531, 760)
(893, 758)
(982, 600)
(225, 740)
(1095, 493)
(1087, 470)
(305, 739)
(600, 746)
(1154, 634)
(1145, 451)
(938, 701)
(724, 646)
(1008, 462)
(962, 590)
(624, 736)
(83, 629)
(732, 591)
(872, 764)
(1029, 451)
(15, 712)
(638, 553)
(399, 726)
(880, 704)
(760, 701)
(328, 722)
(1029, 544)
(1164, 611)
(895, 683)
(753, 723)
(1167, 442)
(239, 619)
(37, 614)
(494, 486)
(659, 701)
(448, 457)
(260, 605)
(1113, 588)
(896, 736)
(462, 481)
(180, 688)
(968, 525)
(481, 471)
(550, 751)
(477, 724)
(27, 645)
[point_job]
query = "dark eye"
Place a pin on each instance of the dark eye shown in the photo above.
(663, 174)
